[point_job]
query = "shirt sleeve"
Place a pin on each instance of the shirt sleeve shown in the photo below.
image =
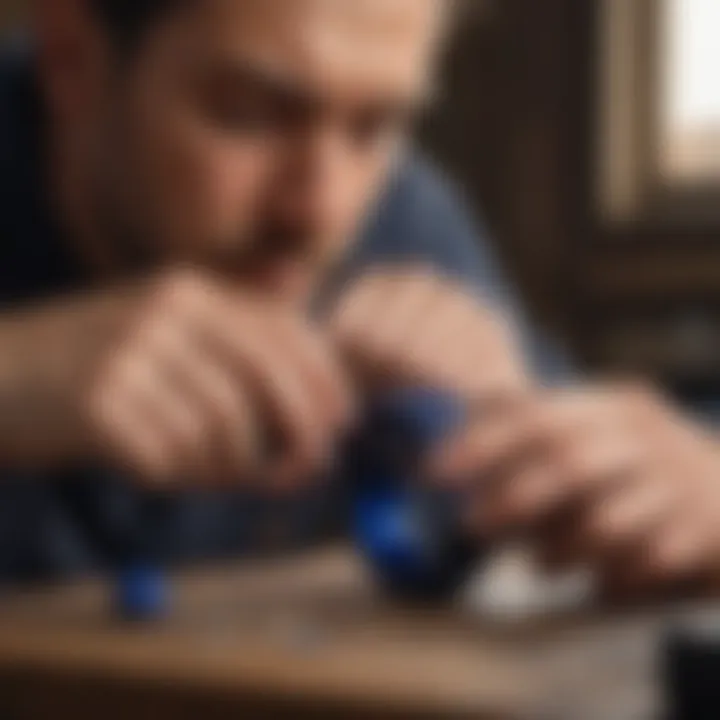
(422, 219)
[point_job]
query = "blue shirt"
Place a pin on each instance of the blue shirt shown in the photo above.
(81, 521)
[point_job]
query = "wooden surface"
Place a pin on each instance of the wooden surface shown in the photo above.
(308, 636)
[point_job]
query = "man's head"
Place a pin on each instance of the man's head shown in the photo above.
(247, 135)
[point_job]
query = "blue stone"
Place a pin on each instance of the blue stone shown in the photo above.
(142, 593)
(409, 534)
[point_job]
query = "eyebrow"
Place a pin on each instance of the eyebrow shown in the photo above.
(292, 89)
(246, 73)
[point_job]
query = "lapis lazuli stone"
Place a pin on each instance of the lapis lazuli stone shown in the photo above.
(408, 532)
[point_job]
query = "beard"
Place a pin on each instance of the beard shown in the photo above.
(290, 267)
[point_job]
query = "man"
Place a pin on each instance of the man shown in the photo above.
(179, 181)
(184, 182)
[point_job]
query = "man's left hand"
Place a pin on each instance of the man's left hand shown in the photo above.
(410, 326)
(613, 478)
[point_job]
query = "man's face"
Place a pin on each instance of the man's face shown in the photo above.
(252, 136)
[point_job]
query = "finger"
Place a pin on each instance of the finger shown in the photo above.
(165, 383)
(189, 385)
(378, 301)
(542, 489)
(489, 514)
(375, 319)
(400, 310)
(295, 414)
(444, 325)
(273, 369)
(459, 346)
(691, 543)
(484, 447)
(673, 556)
(494, 443)
(541, 425)
(611, 526)
(132, 435)
(295, 434)
(230, 448)
(150, 385)
(320, 367)
(326, 408)
(491, 365)
(634, 512)
(594, 461)
(679, 552)
(354, 306)
(679, 549)
(426, 329)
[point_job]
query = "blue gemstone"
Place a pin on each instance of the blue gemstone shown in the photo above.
(390, 532)
(142, 593)
(409, 534)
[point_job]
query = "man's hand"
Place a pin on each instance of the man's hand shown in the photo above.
(180, 378)
(410, 326)
(612, 477)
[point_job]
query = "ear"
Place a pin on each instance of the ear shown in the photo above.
(73, 54)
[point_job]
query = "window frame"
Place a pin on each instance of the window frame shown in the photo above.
(631, 188)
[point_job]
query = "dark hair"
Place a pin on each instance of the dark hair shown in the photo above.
(126, 21)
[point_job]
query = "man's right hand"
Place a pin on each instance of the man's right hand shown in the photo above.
(180, 378)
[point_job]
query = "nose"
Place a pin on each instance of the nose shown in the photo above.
(316, 183)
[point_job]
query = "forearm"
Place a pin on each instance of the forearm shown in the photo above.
(40, 371)
(27, 382)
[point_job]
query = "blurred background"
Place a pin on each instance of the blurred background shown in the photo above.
(586, 134)
(589, 133)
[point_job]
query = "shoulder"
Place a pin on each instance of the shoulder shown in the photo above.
(424, 218)
(418, 210)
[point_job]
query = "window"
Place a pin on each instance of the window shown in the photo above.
(659, 154)
(690, 100)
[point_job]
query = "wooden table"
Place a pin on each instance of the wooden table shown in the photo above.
(310, 637)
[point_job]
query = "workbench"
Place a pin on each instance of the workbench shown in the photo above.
(311, 636)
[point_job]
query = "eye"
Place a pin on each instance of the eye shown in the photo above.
(243, 115)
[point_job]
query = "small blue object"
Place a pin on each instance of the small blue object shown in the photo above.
(142, 593)
(409, 533)
(142, 590)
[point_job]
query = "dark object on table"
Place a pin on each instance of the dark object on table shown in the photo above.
(409, 533)
(691, 670)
